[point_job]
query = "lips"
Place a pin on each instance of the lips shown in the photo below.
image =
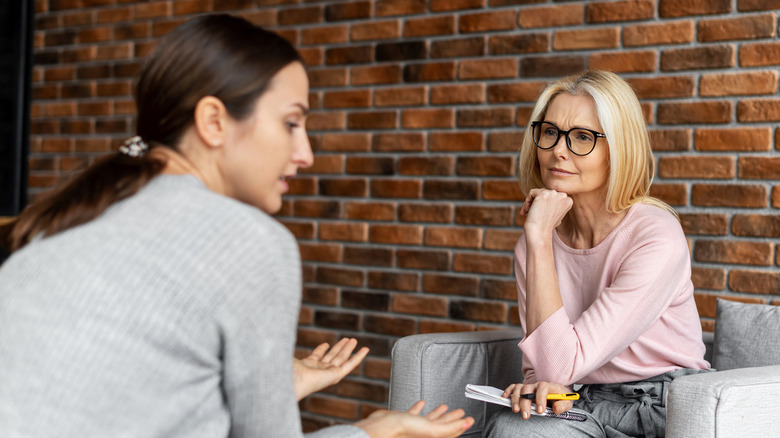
(560, 171)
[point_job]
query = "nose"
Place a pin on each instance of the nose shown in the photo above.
(560, 148)
(303, 156)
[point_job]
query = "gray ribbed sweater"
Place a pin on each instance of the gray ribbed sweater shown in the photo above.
(171, 315)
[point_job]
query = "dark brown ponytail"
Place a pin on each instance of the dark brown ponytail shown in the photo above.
(212, 55)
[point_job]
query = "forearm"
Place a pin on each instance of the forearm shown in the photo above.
(543, 296)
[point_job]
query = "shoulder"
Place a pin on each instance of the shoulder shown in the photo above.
(649, 224)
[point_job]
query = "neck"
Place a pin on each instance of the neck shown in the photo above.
(588, 223)
(178, 163)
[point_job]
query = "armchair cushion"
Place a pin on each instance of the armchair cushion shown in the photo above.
(746, 335)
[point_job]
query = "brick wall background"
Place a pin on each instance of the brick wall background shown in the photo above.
(408, 218)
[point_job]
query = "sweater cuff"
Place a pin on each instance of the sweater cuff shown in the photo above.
(539, 346)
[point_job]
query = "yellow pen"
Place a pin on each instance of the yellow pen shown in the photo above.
(565, 396)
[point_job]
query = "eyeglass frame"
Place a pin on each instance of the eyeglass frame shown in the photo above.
(565, 134)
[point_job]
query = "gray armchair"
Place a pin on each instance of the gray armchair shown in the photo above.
(741, 400)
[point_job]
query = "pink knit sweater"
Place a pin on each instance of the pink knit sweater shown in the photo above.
(628, 310)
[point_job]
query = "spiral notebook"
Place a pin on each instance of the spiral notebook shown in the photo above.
(492, 394)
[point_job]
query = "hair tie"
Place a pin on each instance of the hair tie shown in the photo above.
(134, 147)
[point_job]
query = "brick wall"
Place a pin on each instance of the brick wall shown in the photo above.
(407, 219)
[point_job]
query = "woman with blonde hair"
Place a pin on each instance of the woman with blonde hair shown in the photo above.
(603, 270)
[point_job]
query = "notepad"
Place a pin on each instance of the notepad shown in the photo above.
(492, 394)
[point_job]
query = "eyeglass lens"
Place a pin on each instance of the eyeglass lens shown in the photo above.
(579, 141)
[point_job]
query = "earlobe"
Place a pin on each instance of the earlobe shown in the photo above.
(210, 121)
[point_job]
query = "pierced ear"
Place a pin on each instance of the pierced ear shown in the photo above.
(210, 121)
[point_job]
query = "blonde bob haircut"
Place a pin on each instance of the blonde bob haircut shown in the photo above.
(631, 164)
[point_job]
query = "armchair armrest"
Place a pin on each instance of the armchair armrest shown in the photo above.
(436, 368)
(738, 402)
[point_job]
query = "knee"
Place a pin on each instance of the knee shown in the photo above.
(501, 425)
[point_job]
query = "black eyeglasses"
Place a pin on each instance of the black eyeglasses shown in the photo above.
(580, 141)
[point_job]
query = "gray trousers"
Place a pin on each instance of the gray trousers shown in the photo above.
(616, 410)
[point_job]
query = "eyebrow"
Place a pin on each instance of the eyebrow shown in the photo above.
(303, 108)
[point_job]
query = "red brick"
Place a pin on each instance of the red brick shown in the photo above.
(437, 25)
(458, 48)
(330, 77)
(56, 145)
(405, 282)
(681, 8)
(333, 142)
(757, 5)
(326, 121)
(457, 141)
(486, 166)
(729, 195)
(450, 284)
(515, 92)
(625, 62)
(482, 264)
(695, 112)
(371, 165)
(738, 84)
(776, 197)
(708, 278)
(326, 295)
(735, 252)
(457, 237)
(332, 407)
(420, 305)
(402, 96)
(325, 35)
(396, 234)
(320, 252)
(488, 21)
(705, 223)
(501, 240)
(520, 43)
(377, 211)
(426, 165)
(457, 94)
(758, 110)
(401, 51)
(312, 56)
(483, 215)
(377, 368)
(453, 5)
(451, 189)
(301, 230)
(348, 99)
(321, 209)
(439, 71)
(478, 311)
(388, 325)
(428, 118)
(502, 190)
(364, 390)
(423, 259)
(485, 117)
(709, 167)
(582, 39)
(404, 142)
(756, 225)
(488, 69)
(677, 32)
(425, 212)
(733, 139)
(399, 7)
(376, 30)
(757, 282)
(326, 164)
(670, 139)
(629, 10)
(550, 16)
(759, 167)
(663, 87)
(707, 57)
(348, 11)
(440, 326)
(349, 55)
(373, 120)
(350, 231)
(396, 188)
(759, 54)
(376, 74)
(498, 289)
(740, 28)
(551, 66)
(672, 194)
(345, 277)
(505, 141)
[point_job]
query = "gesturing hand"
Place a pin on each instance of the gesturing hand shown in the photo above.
(324, 367)
(439, 423)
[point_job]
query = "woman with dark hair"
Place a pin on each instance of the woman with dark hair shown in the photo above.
(153, 295)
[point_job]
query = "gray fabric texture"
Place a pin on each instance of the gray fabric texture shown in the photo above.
(173, 314)
(733, 403)
(746, 335)
(437, 367)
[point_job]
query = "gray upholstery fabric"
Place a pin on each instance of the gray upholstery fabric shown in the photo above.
(437, 367)
(746, 335)
(734, 403)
